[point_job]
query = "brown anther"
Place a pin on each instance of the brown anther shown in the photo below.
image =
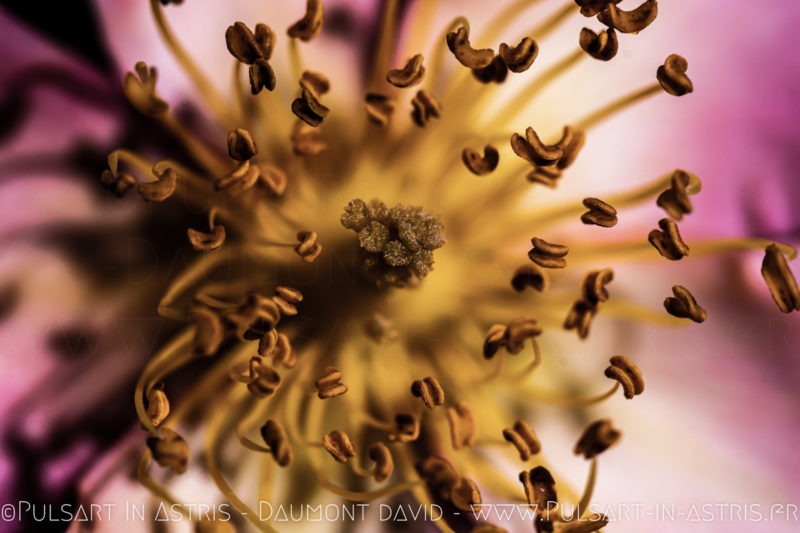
(286, 308)
(599, 213)
(118, 184)
(672, 76)
(261, 76)
(379, 108)
(524, 439)
(529, 276)
(289, 294)
(140, 88)
(380, 329)
(778, 276)
(169, 450)
(594, 284)
(309, 109)
(596, 438)
(338, 444)
(308, 249)
(675, 200)
(283, 353)
(458, 43)
(255, 317)
(627, 374)
(603, 46)
(384, 465)
(480, 165)
(248, 47)
(683, 305)
(425, 107)
(310, 25)
(519, 58)
(330, 385)
(306, 140)
(264, 380)
(580, 317)
(533, 150)
(429, 391)
(315, 82)
(242, 178)
(411, 74)
(632, 21)
(494, 340)
(570, 143)
(267, 343)
(161, 189)
(540, 489)
(668, 240)
(518, 331)
(157, 406)
(206, 242)
(494, 72)
(272, 178)
(590, 8)
(547, 176)
(465, 494)
(241, 145)
(208, 331)
(462, 426)
(275, 437)
(439, 475)
(406, 429)
(548, 255)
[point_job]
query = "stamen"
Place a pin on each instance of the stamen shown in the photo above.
(241, 179)
(162, 188)
(548, 255)
(338, 444)
(411, 74)
(599, 214)
(481, 165)
(462, 426)
(384, 466)
(157, 406)
(425, 108)
(308, 249)
(668, 240)
(406, 429)
(675, 200)
(241, 146)
(140, 89)
(458, 43)
(672, 76)
(580, 317)
(310, 25)
(540, 490)
(524, 439)
(465, 495)
(602, 46)
(529, 276)
(683, 305)
(254, 317)
(519, 58)
(533, 150)
(627, 374)
(275, 437)
(616, 106)
(330, 384)
(387, 36)
(254, 50)
(494, 72)
(596, 438)
(206, 242)
(308, 107)
(119, 183)
(208, 330)
(778, 276)
(169, 450)
(429, 391)
(632, 21)
(594, 285)
(379, 108)
(264, 380)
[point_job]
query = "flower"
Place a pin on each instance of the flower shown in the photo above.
(367, 266)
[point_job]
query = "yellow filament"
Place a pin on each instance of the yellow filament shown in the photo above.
(583, 505)
(152, 485)
(644, 250)
(435, 70)
(569, 401)
(616, 106)
(543, 29)
(214, 165)
(384, 50)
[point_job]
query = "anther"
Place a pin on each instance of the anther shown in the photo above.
(242, 178)
(590, 8)
(384, 465)
(519, 58)
(338, 444)
(627, 374)
(524, 439)
(599, 213)
(208, 330)
(465, 494)
(540, 489)
(494, 72)
(169, 450)
(683, 305)
(518, 331)
(668, 240)
(596, 438)
(462, 426)
(675, 200)
(548, 255)
(255, 317)
(406, 429)
(315, 82)
(157, 406)
(380, 329)
(309, 109)
(547, 176)
(283, 353)
(241, 146)
(494, 340)
(778, 276)
(379, 108)
(330, 384)
(481, 164)
(261, 76)
(286, 308)
(439, 475)
(140, 88)
(632, 21)
(458, 43)
(580, 317)
(308, 249)
(533, 150)
(264, 380)
(411, 74)
(306, 140)
(206, 242)
(118, 184)
(571, 143)
(310, 25)
(529, 276)
(267, 343)
(672, 76)
(161, 189)
(254, 50)
(602, 46)
(425, 107)
(429, 391)
(272, 178)
(594, 284)
(275, 437)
